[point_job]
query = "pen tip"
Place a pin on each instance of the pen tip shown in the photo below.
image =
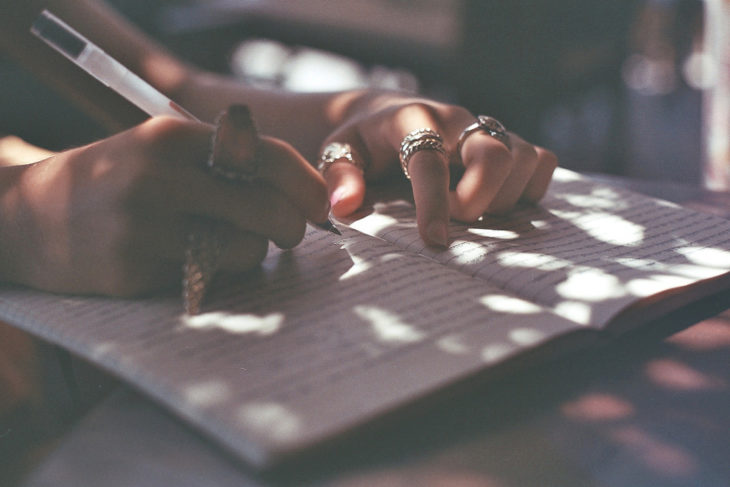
(330, 227)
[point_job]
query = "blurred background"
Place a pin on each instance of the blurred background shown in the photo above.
(612, 87)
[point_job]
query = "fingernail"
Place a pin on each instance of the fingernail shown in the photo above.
(337, 196)
(438, 233)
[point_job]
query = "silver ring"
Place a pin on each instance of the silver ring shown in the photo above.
(418, 140)
(489, 125)
(337, 152)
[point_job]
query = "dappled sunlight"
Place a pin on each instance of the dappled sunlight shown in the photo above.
(493, 233)
(509, 304)
(235, 323)
(651, 265)
(661, 457)
(575, 311)
(271, 419)
(603, 198)
(207, 393)
(706, 256)
(453, 344)
(494, 352)
(678, 376)
(596, 406)
(543, 262)
(712, 334)
(655, 284)
(387, 326)
(590, 285)
(526, 336)
(611, 229)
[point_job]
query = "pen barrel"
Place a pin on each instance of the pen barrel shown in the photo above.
(127, 84)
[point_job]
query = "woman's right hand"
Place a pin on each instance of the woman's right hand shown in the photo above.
(113, 217)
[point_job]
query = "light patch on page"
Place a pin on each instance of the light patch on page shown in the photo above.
(207, 393)
(531, 260)
(271, 419)
(359, 265)
(655, 284)
(590, 285)
(686, 270)
(509, 304)
(708, 256)
(453, 344)
(496, 351)
(494, 233)
(526, 336)
(375, 222)
(608, 228)
(574, 311)
(604, 198)
(387, 326)
(236, 323)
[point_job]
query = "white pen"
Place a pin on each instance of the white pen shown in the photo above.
(92, 59)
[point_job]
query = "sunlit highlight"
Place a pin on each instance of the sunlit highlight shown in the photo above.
(206, 393)
(496, 352)
(611, 229)
(387, 326)
(271, 419)
(509, 304)
(591, 285)
(526, 336)
(532, 260)
(493, 233)
(598, 407)
(710, 257)
(677, 376)
(655, 284)
(236, 323)
(575, 311)
(453, 344)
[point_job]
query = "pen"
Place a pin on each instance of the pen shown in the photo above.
(113, 74)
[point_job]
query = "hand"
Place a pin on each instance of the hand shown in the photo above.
(113, 217)
(495, 178)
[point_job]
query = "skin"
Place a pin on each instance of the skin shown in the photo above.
(125, 211)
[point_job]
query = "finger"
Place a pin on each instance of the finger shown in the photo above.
(428, 170)
(285, 169)
(243, 251)
(488, 163)
(537, 186)
(258, 208)
(525, 160)
(430, 182)
(345, 177)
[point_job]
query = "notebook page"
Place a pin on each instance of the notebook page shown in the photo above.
(322, 338)
(586, 252)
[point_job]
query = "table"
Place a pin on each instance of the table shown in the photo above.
(643, 411)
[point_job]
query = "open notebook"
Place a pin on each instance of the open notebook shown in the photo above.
(340, 330)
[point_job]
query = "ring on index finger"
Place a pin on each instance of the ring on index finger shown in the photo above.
(337, 152)
(489, 125)
(418, 140)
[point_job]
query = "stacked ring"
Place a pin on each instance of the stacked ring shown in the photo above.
(418, 140)
(337, 152)
(491, 126)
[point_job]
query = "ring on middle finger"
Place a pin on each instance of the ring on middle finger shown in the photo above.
(418, 140)
(489, 125)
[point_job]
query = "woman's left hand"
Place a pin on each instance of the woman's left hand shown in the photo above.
(499, 170)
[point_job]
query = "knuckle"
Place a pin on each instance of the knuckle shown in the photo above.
(547, 159)
(417, 110)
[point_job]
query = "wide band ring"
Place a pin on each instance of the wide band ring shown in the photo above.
(418, 140)
(489, 125)
(337, 152)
